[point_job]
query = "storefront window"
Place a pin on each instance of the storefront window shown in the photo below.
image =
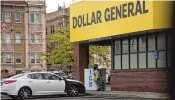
(125, 61)
(162, 59)
(142, 43)
(142, 60)
(151, 43)
(161, 42)
(117, 47)
(125, 46)
(133, 45)
(117, 63)
(151, 60)
(139, 52)
(133, 61)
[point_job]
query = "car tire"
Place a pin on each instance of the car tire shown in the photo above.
(73, 91)
(24, 93)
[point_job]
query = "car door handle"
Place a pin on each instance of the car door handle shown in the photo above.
(30, 81)
(48, 82)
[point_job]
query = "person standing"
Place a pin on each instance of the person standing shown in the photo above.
(97, 78)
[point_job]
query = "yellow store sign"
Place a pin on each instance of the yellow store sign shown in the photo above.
(97, 19)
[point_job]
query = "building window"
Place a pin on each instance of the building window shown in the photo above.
(1, 14)
(35, 18)
(8, 37)
(35, 38)
(8, 58)
(142, 43)
(2, 58)
(17, 17)
(18, 57)
(133, 53)
(35, 58)
(52, 29)
(142, 60)
(161, 46)
(140, 52)
(7, 17)
(18, 38)
(151, 43)
(125, 61)
(117, 47)
(117, 61)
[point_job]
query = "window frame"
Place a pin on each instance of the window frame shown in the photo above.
(146, 51)
(6, 40)
(8, 16)
(9, 58)
(35, 58)
(34, 18)
(15, 13)
(20, 58)
(18, 39)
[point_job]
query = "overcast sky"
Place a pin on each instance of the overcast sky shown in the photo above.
(52, 5)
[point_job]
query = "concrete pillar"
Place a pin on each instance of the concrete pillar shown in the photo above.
(81, 60)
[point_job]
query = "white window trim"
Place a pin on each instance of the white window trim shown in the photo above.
(19, 16)
(16, 57)
(7, 39)
(35, 39)
(34, 58)
(6, 58)
(16, 38)
(34, 18)
(5, 16)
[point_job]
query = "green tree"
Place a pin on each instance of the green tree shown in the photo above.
(62, 53)
(99, 55)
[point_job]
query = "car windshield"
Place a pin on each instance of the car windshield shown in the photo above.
(17, 76)
(61, 74)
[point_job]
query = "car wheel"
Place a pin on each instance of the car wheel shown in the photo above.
(73, 91)
(25, 93)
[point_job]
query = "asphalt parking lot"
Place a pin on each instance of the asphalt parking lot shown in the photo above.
(87, 97)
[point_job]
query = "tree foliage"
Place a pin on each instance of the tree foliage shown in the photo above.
(62, 53)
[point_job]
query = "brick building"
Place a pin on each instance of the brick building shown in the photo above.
(22, 36)
(56, 20)
(139, 40)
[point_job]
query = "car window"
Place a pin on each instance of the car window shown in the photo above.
(35, 76)
(61, 74)
(48, 76)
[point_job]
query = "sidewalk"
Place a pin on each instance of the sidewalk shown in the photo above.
(148, 95)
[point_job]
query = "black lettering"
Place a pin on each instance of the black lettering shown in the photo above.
(124, 10)
(74, 22)
(138, 8)
(118, 12)
(79, 21)
(144, 8)
(99, 17)
(107, 16)
(88, 21)
(130, 9)
(84, 23)
(112, 13)
(93, 18)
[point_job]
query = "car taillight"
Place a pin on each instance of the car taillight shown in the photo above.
(9, 81)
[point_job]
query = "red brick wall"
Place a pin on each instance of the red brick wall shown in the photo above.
(151, 80)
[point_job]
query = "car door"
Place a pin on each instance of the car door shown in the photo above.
(55, 84)
(37, 84)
